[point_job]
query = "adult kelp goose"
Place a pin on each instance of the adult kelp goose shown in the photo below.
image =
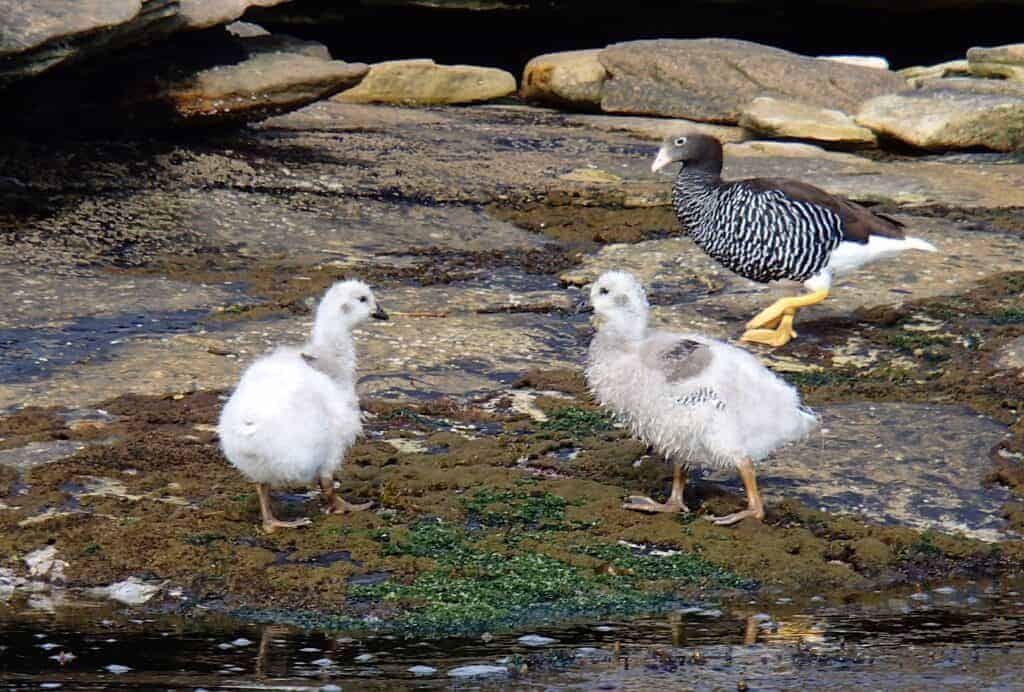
(767, 229)
(696, 400)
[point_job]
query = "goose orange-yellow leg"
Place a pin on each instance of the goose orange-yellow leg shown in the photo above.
(779, 315)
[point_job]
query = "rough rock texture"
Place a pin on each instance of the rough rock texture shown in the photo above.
(201, 78)
(1004, 62)
(37, 36)
(877, 62)
(266, 83)
(202, 14)
(572, 79)
(657, 128)
(791, 120)
(425, 82)
(712, 79)
(1011, 356)
(950, 114)
(920, 74)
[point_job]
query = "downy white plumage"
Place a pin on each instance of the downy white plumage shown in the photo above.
(696, 400)
(295, 412)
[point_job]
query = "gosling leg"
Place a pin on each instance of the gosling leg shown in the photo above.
(674, 504)
(270, 522)
(335, 503)
(755, 507)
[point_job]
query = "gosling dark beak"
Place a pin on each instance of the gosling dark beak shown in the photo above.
(379, 314)
(581, 306)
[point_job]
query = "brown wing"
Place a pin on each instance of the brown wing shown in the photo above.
(682, 359)
(859, 223)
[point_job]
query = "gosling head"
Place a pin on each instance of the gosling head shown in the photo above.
(620, 303)
(345, 305)
(690, 150)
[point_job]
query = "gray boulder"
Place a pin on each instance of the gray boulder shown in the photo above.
(40, 35)
(713, 79)
(951, 114)
(1001, 62)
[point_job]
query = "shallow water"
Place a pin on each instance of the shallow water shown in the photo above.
(964, 636)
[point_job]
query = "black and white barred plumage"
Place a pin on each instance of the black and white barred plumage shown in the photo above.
(760, 234)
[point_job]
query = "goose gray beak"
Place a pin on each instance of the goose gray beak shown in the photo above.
(379, 314)
(660, 161)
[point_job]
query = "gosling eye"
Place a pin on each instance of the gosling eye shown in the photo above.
(603, 291)
(362, 299)
(681, 141)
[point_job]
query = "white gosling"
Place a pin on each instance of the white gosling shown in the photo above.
(696, 400)
(295, 412)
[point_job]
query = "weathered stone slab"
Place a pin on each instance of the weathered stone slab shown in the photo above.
(1001, 62)
(423, 82)
(938, 116)
(793, 120)
(571, 79)
(712, 79)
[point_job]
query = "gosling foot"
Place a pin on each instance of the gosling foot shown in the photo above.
(735, 517)
(341, 506)
(271, 525)
(641, 503)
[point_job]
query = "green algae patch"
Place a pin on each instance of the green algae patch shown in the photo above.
(520, 522)
(481, 583)
(577, 422)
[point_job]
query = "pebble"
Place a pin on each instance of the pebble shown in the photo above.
(329, 688)
(47, 646)
(241, 641)
(422, 670)
(309, 650)
(761, 617)
(945, 590)
(475, 670)
(536, 640)
(604, 628)
(323, 662)
(920, 596)
(49, 685)
(363, 658)
(225, 646)
(117, 669)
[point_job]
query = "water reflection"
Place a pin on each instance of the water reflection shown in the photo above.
(970, 634)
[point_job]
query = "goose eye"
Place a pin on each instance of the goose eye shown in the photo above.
(603, 291)
(362, 299)
(681, 141)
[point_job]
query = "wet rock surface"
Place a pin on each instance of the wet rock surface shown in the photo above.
(141, 277)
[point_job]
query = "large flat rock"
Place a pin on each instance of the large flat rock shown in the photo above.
(944, 115)
(37, 36)
(713, 79)
(881, 461)
(792, 120)
(424, 82)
